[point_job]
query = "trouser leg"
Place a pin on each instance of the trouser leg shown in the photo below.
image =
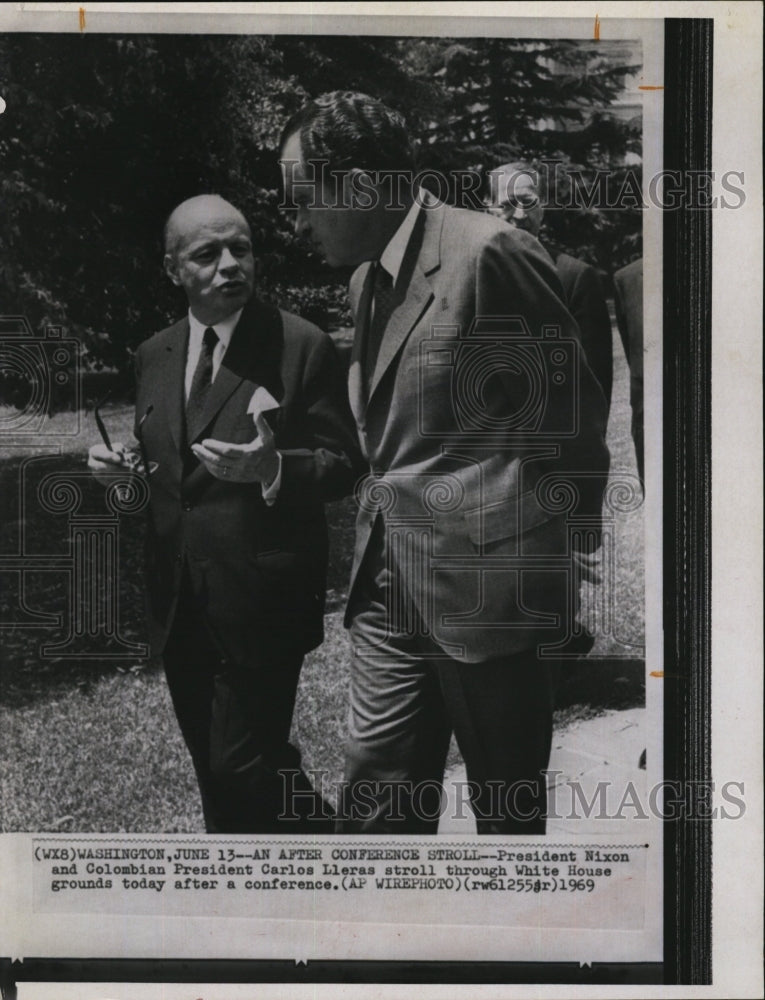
(407, 696)
(235, 717)
(398, 730)
(397, 746)
(501, 712)
(187, 658)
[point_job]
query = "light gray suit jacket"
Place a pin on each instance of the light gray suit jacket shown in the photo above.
(485, 434)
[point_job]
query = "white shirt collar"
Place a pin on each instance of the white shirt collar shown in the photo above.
(223, 329)
(392, 256)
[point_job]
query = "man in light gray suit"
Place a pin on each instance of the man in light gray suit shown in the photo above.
(484, 432)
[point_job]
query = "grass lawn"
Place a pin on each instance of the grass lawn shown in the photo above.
(91, 745)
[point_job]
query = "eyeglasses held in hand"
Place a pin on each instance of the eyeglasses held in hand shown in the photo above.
(134, 459)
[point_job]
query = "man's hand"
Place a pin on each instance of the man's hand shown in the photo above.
(255, 462)
(589, 565)
(101, 459)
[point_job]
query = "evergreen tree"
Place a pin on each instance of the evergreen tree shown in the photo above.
(103, 135)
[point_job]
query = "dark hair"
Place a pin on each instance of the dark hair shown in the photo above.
(348, 130)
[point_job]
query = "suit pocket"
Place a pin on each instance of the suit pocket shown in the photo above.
(276, 565)
(506, 519)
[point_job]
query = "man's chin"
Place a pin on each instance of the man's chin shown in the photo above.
(339, 258)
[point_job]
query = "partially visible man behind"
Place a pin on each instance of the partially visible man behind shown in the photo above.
(242, 416)
(518, 194)
(628, 302)
(484, 432)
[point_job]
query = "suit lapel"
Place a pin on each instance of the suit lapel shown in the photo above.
(417, 297)
(422, 258)
(168, 376)
(254, 353)
(226, 381)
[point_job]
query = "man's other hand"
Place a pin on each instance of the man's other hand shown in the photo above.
(589, 566)
(103, 460)
(254, 462)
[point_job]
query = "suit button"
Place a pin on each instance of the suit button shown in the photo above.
(186, 505)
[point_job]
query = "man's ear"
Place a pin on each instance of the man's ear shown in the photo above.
(171, 268)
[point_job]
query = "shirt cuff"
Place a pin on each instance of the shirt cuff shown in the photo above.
(271, 492)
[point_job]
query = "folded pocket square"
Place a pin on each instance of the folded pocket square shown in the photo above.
(261, 402)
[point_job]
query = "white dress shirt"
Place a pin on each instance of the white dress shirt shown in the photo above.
(224, 330)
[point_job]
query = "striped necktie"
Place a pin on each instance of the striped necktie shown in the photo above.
(202, 380)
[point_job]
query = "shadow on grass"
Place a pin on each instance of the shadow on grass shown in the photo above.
(609, 683)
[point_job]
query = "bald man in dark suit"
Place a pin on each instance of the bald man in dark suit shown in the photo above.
(242, 414)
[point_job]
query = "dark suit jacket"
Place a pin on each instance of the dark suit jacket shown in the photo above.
(484, 428)
(261, 569)
(586, 302)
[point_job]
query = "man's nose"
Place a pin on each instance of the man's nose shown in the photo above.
(227, 261)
